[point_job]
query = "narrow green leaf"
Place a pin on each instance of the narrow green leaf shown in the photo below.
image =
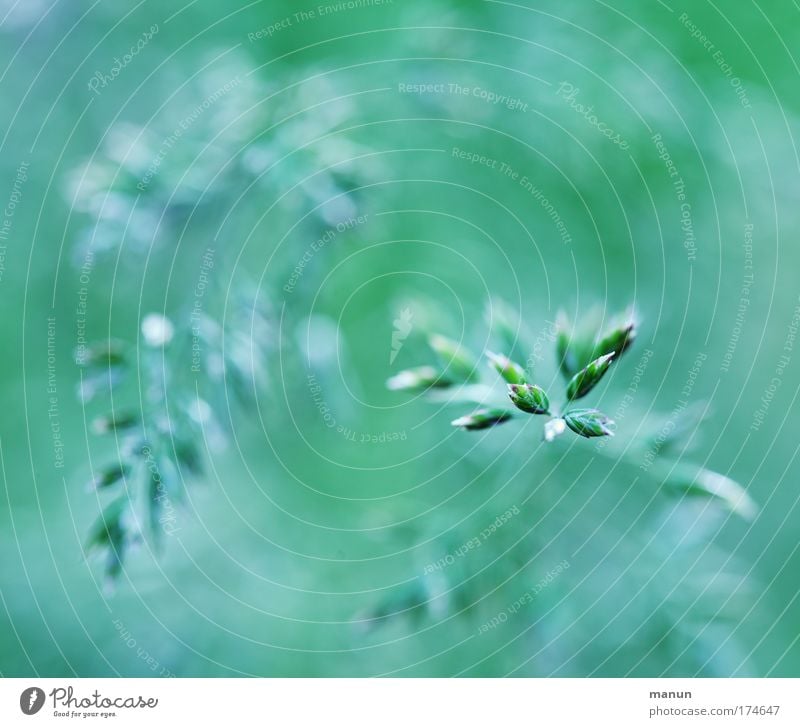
(707, 483)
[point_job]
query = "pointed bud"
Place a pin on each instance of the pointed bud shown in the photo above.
(457, 361)
(111, 422)
(589, 423)
(554, 428)
(189, 456)
(617, 340)
(110, 535)
(101, 355)
(482, 419)
(511, 372)
(529, 398)
(417, 379)
(586, 379)
(157, 498)
(110, 527)
(111, 475)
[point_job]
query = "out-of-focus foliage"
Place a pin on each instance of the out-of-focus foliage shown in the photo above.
(303, 205)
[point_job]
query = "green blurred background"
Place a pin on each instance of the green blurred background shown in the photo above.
(306, 546)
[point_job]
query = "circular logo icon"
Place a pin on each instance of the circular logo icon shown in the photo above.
(31, 700)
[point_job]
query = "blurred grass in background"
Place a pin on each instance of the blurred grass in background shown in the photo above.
(300, 530)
